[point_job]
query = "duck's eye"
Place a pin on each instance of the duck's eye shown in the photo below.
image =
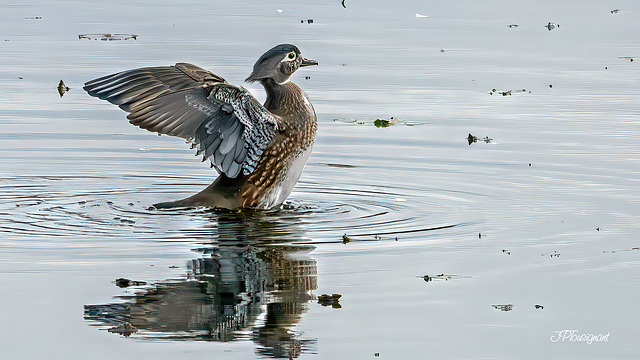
(291, 55)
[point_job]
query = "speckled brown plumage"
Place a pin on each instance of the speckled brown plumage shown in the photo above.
(296, 131)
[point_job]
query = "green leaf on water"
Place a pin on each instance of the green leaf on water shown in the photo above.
(381, 123)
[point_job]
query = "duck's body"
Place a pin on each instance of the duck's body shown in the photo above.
(260, 151)
(280, 165)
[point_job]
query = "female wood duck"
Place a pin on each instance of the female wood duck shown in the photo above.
(258, 150)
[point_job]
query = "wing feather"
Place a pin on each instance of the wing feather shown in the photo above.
(225, 123)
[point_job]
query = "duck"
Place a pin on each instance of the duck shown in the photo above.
(259, 150)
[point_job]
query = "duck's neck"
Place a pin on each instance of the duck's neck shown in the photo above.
(282, 99)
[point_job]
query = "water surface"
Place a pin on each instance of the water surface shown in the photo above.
(546, 213)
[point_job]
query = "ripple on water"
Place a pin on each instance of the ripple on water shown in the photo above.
(46, 207)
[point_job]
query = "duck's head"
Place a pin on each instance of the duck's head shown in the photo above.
(278, 64)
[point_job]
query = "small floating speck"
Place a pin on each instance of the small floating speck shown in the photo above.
(144, 149)
(62, 88)
(555, 254)
(471, 139)
(445, 277)
(630, 58)
(308, 21)
(346, 239)
(505, 307)
(33, 17)
(108, 37)
(279, 10)
(615, 11)
(345, 166)
(550, 26)
(511, 26)
(539, 306)
(507, 92)
(421, 16)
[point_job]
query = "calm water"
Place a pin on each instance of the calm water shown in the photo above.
(547, 213)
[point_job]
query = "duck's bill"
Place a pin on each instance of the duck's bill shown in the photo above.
(308, 62)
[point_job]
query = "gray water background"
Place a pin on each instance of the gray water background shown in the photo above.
(546, 214)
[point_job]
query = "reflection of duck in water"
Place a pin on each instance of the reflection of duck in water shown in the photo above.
(230, 291)
(258, 150)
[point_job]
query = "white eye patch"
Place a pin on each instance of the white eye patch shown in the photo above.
(288, 57)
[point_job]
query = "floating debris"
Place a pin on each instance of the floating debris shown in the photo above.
(377, 122)
(615, 251)
(308, 21)
(344, 166)
(550, 86)
(350, 121)
(421, 16)
(279, 10)
(511, 26)
(506, 307)
(108, 37)
(343, 5)
(125, 329)
(630, 58)
(479, 235)
(445, 277)
(508, 92)
(62, 88)
(550, 26)
(346, 239)
(123, 283)
(506, 251)
(307, 77)
(539, 306)
(555, 254)
(474, 139)
(332, 300)
(33, 17)
(381, 123)
(123, 220)
(174, 267)
(615, 11)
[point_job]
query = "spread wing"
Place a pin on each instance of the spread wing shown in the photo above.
(225, 123)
